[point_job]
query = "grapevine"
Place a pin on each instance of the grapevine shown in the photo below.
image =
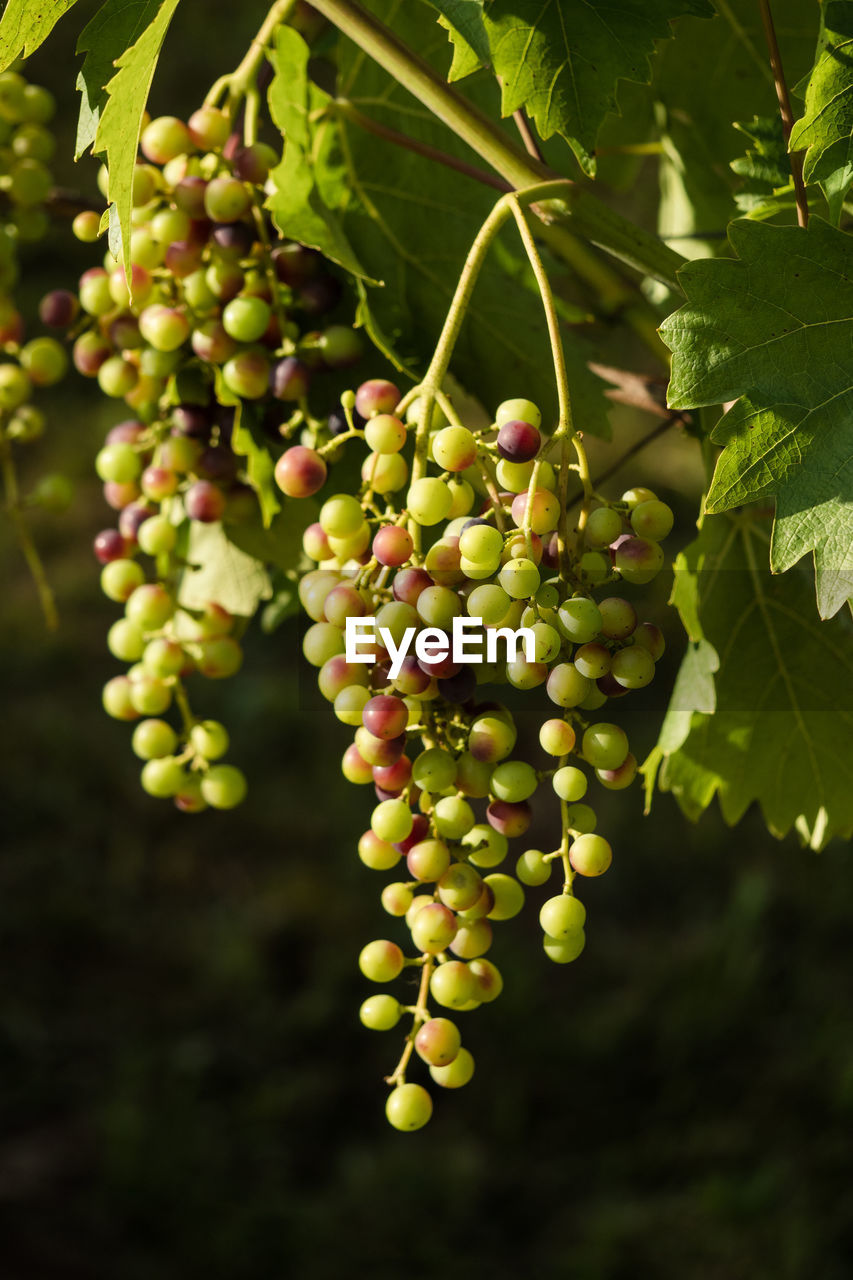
(400, 454)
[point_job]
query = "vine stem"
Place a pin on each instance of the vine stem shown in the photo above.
(398, 1075)
(590, 218)
(242, 78)
(25, 538)
(795, 159)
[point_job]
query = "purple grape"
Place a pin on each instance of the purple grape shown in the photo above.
(518, 441)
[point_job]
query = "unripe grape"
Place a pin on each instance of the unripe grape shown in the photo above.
(510, 819)
(638, 560)
(121, 578)
(514, 476)
(86, 226)
(247, 374)
(515, 780)
(452, 984)
(633, 497)
(209, 128)
(154, 739)
(381, 961)
(604, 745)
(164, 138)
(564, 950)
(396, 897)
(603, 526)
(525, 410)
(633, 668)
(590, 855)
(15, 386)
(409, 1106)
(157, 536)
(205, 502)
(53, 492)
(544, 511)
(376, 396)
(161, 778)
(164, 328)
(434, 770)
(649, 637)
(116, 699)
(519, 578)
(453, 817)
(385, 716)
(592, 660)
(508, 896)
(562, 916)
(618, 618)
(163, 658)
(385, 472)
(652, 519)
(226, 199)
(532, 869)
(393, 545)
(380, 1012)
(377, 854)
(438, 1041)
(385, 434)
(570, 783)
(355, 768)
(223, 786)
(457, 1073)
(566, 686)
(434, 928)
(209, 739)
(454, 448)
(619, 779)
(428, 500)
(556, 737)
(482, 544)
(491, 738)
(246, 319)
(341, 515)
(349, 704)
(391, 820)
(117, 377)
(150, 606)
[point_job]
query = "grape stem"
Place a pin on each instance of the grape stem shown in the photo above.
(25, 538)
(240, 81)
(795, 158)
(420, 1015)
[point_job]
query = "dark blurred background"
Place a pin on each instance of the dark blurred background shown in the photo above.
(186, 1090)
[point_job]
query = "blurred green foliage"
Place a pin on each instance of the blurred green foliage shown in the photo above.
(185, 1088)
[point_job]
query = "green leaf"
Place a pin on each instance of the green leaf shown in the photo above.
(767, 185)
(561, 59)
(218, 570)
(412, 222)
(310, 182)
(26, 24)
(248, 441)
(826, 129)
(463, 21)
(117, 134)
(775, 326)
(279, 543)
(782, 713)
(115, 27)
(710, 75)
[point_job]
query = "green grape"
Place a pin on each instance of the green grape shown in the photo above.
(566, 686)
(454, 448)
(438, 606)
(633, 668)
(590, 855)
(379, 855)
(604, 746)
(341, 515)
(579, 620)
(556, 737)
(118, 464)
(532, 869)
(473, 776)
(548, 642)
(428, 860)
(150, 695)
(433, 770)
(581, 818)
(154, 739)
(380, 1012)
(438, 1041)
(592, 660)
(508, 895)
(603, 526)
(125, 641)
(428, 500)
(116, 699)
(619, 779)
(452, 984)
(246, 319)
(564, 950)
(487, 847)
(391, 820)
(519, 578)
(409, 1106)
(482, 544)
(161, 777)
(163, 658)
(209, 739)
(518, 410)
(349, 704)
(490, 602)
(457, 1074)
(514, 476)
(569, 783)
(514, 781)
(460, 886)
(562, 915)
(397, 897)
(157, 536)
(434, 928)
(223, 786)
(381, 961)
(633, 497)
(121, 578)
(453, 817)
(473, 938)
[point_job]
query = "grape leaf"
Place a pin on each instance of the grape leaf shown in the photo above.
(218, 570)
(767, 185)
(782, 710)
(26, 24)
(826, 129)
(412, 226)
(116, 26)
(247, 441)
(463, 22)
(118, 128)
(280, 542)
(710, 75)
(311, 180)
(561, 59)
(775, 326)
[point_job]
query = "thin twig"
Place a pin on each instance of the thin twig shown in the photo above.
(351, 113)
(795, 159)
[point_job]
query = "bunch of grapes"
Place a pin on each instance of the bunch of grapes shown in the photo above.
(215, 313)
(424, 736)
(26, 148)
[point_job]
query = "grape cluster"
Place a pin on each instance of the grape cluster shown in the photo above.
(424, 737)
(215, 313)
(26, 148)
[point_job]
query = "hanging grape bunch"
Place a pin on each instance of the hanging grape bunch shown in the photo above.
(216, 315)
(477, 526)
(26, 148)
